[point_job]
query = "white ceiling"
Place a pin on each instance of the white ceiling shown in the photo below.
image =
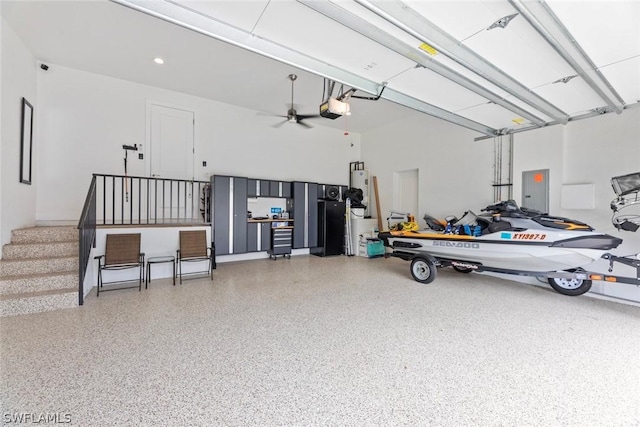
(489, 80)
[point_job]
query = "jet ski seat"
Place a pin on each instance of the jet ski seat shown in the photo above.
(486, 226)
(433, 223)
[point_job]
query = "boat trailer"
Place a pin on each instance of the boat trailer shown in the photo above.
(577, 282)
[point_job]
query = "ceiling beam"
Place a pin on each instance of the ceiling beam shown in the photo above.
(411, 22)
(593, 113)
(367, 29)
(547, 24)
(432, 110)
(208, 26)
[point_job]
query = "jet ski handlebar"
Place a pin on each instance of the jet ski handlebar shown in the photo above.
(502, 207)
(511, 208)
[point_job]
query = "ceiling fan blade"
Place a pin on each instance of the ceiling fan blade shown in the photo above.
(307, 116)
(277, 125)
(260, 113)
(300, 122)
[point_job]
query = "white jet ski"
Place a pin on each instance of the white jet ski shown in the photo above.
(507, 239)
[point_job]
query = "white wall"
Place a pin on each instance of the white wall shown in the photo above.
(18, 80)
(86, 118)
(540, 149)
(455, 173)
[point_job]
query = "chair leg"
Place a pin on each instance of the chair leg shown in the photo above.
(174, 273)
(180, 270)
(211, 267)
(99, 280)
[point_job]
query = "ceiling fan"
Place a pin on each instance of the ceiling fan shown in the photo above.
(292, 116)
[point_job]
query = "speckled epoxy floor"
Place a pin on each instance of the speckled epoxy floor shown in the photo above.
(336, 341)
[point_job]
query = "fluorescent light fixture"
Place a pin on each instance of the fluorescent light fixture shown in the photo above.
(158, 60)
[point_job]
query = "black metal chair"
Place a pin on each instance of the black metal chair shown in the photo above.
(122, 252)
(193, 248)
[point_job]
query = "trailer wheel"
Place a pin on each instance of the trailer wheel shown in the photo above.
(571, 287)
(462, 269)
(423, 270)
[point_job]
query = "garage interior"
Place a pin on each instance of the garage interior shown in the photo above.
(447, 106)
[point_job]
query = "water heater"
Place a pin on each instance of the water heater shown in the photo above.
(360, 179)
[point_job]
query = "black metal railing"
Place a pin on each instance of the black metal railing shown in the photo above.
(87, 236)
(136, 200)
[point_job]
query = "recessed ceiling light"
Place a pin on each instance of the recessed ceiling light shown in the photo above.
(158, 60)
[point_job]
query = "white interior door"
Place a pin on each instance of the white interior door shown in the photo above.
(405, 192)
(171, 155)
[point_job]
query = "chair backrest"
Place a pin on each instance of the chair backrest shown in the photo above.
(193, 244)
(122, 249)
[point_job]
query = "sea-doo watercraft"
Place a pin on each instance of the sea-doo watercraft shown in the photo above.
(505, 239)
(626, 205)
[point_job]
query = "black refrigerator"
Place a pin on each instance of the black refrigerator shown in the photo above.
(331, 215)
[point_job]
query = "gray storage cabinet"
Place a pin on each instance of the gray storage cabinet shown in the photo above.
(265, 187)
(221, 221)
(239, 215)
(232, 233)
(312, 215)
(304, 210)
(252, 236)
(281, 238)
(252, 190)
(227, 189)
(255, 229)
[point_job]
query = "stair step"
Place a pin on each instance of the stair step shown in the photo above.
(39, 270)
(38, 283)
(44, 234)
(39, 250)
(21, 267)
(30, 303)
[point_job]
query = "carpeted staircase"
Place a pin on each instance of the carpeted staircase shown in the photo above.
(39, 271)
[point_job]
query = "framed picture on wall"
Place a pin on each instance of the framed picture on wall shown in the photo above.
(26, 142)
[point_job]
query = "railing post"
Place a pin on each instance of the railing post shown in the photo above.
(86, 236)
